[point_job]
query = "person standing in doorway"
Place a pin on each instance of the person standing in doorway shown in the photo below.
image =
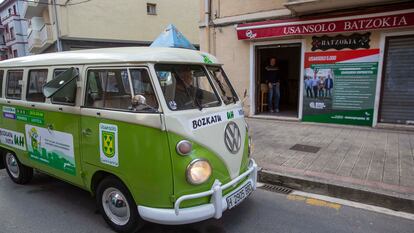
(328, 86)
(273, 81)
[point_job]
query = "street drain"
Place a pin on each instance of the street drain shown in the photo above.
(305, 148)
(276, 188)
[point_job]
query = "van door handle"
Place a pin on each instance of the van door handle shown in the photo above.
(87, 132)
(50, 128)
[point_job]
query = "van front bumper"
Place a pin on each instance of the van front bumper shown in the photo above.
(214, 209)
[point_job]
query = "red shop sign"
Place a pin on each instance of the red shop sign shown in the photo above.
(396, 19)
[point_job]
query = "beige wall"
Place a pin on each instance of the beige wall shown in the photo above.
(111, 20)
(227, 8)
(234, 54)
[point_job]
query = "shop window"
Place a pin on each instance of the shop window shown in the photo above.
(36, 80)
(151, 9)
(14, 84)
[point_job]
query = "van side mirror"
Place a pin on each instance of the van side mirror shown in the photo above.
(59, 82)
(138, 100)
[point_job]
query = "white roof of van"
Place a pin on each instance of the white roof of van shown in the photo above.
(112, 55)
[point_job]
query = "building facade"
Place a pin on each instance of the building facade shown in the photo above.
(13, 28)
(346, 62)
(73, 24)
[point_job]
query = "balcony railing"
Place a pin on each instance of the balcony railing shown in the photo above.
(38, 40)
(10, 38)
(3, 46)
(33, 8)
(10, 16)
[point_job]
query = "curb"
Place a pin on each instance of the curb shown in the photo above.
(397, 203)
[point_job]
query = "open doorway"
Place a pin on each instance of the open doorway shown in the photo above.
(288, 58)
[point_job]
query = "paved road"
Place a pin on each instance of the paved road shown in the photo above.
(49, 205)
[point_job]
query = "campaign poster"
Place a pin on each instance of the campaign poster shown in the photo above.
(51, 147)
(12, 138)
(340, 86)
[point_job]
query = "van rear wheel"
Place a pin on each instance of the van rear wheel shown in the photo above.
(117, 206)
(19, 173)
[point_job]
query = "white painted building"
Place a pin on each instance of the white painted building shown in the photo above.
(13, 30)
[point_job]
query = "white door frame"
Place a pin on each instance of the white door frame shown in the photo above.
(383, 38)
(253, 46)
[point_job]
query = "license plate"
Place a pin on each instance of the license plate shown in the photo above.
(241, 194)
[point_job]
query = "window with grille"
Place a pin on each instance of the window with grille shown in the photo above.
(151, 9)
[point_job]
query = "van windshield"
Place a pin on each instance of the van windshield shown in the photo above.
(223, 85)
(186, 87)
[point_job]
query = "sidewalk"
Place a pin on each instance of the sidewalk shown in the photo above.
(372, 161)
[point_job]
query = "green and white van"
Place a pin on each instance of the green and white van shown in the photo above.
(156, 134)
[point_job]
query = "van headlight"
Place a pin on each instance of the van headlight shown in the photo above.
(198, 171)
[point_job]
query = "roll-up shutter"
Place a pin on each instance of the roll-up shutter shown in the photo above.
(397, 101)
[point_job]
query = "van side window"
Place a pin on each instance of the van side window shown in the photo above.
(108, 89)
(14, 84)
(68, 94)
(1, 83)
(36, 80)
(141, 84)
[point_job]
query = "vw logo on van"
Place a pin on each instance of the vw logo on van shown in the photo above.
(232, 137)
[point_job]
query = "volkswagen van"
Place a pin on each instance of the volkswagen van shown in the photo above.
(155, 134)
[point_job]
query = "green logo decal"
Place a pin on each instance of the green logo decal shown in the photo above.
(108, 143)
(34, 138)
(230, 115)
(206, 59)
(18, 140)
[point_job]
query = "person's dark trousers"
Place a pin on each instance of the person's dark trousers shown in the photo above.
(309, 92)
(315, 91)
(274, 96)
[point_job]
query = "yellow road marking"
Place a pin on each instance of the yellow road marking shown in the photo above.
(296, 197)
(314, 202)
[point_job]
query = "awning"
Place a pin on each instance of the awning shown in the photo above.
(291, 27)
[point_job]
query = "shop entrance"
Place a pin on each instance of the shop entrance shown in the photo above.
(397, 95)
(288, 62)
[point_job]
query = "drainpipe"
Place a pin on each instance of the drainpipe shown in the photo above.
(207, 23)
(58, 41)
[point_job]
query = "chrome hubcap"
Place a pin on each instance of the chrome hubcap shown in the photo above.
(12, 165)
(116, 206)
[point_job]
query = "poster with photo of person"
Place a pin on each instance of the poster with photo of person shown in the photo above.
(318, 90)
(340, 86)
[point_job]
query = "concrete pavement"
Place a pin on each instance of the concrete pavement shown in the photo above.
(374, 161)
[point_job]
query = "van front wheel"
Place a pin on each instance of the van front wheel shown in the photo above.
(19, 173)
(117, 206)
